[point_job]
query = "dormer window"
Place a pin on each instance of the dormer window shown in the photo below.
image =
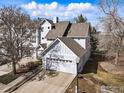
(42, 28)
(53, 27)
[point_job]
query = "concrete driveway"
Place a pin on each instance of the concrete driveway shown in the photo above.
(57, 84)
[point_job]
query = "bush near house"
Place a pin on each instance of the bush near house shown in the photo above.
(52, 73)
(28, 66)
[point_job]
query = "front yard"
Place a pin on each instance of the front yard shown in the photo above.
(7, 78)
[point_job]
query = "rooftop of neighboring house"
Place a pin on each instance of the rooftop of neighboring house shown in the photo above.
(50, 21)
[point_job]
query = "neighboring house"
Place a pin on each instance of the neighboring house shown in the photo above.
(68, 46)
(38, 38)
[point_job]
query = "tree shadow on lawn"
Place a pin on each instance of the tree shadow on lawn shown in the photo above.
(7, 78)
(92, 64)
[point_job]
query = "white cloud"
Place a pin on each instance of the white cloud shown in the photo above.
(80, 6)
(53, 5)
(64, 12)
(34, 5)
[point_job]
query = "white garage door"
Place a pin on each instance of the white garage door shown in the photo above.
(61, 65)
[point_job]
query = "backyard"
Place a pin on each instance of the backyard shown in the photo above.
(96, 79)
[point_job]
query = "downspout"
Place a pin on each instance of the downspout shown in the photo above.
(77, 86)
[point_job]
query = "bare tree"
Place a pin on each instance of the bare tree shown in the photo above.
(15, 32)
(114, 27)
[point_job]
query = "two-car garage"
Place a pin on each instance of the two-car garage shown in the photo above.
(61, 65)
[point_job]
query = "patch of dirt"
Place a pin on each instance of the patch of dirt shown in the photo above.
(85, 86)
(112, 68)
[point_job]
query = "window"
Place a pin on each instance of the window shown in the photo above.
(42, 28)
(42, 38)
(53, 27)
(48, 27)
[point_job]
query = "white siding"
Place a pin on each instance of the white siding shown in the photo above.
(66, 58)
(49, 42)
(82, 42)
(84, 59)
(46, 28)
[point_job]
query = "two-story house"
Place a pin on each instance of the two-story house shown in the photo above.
(68, 47)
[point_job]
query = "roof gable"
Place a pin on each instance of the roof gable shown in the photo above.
(49, 21)
(70, 43)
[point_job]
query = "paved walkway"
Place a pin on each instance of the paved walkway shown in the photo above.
(5, 69)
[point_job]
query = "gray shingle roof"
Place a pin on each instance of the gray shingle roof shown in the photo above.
(58, 31)
(78, 30)
(74, 46)
(69, 30)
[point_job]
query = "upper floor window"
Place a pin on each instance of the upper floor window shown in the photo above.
(42, 28)
(53, 27)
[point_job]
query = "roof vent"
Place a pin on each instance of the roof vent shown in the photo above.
(55, 20)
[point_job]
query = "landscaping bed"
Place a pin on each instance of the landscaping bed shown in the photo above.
(7, 78)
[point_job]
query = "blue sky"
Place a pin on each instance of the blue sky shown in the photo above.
(64, 9)
(18, 2)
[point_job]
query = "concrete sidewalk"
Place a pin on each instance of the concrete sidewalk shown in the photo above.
(5, 69)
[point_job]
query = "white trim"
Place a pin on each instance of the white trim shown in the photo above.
(59, 41)
(49, 46)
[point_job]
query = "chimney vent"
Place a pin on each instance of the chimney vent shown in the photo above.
(55, 20)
